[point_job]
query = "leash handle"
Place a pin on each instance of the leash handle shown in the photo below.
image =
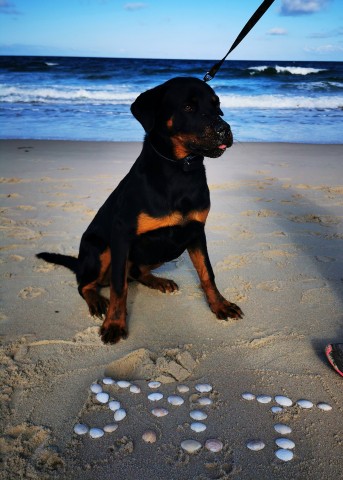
(244, 32)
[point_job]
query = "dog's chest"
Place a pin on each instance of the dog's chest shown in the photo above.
(147, 223)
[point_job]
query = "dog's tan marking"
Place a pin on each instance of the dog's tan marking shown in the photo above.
(146, 223)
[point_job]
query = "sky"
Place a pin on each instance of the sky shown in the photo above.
(189, 29)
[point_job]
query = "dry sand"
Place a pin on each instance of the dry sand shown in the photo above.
(275, 234)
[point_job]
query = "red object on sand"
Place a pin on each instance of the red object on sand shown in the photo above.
(334, 353)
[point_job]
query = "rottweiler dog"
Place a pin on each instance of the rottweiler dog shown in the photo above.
(159, 209)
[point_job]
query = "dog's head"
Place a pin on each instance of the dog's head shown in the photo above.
(185, 113)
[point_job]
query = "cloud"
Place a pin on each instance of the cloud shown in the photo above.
(8, 8)
(277, 31)
(324, 49)
(134, 6)
(328, 34)
(302, 7)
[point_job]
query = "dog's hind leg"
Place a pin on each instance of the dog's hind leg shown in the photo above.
(92, 275)
(144, 276)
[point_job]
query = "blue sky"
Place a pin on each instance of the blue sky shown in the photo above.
(199, 29)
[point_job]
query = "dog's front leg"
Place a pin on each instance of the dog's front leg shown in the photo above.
(114, 326)
(221, 307)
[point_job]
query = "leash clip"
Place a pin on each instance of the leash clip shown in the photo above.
(208, 77)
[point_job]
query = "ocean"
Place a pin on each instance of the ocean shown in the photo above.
(71, 98)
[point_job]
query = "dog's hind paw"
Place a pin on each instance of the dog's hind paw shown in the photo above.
(113, 332)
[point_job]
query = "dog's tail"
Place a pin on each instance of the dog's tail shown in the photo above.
(64, 260)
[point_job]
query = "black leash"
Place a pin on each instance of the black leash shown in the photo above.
(248, 26)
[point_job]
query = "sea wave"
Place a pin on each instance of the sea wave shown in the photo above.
(289, 70)
(76, 96)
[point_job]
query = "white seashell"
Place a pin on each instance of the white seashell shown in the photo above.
(108, 381)
(263, 398)
(175, 400)
(154, 397)
(276, 409)
(203, 387)
(248, 396)
(198, 426)
(255, 445)
(324, 406)
(204, 401)
(80, 429)
(282, 428)
(114, 405)
(119, 415)
(96, 388)
(305, 403)
(135, 389)
(159, 412)
(198, 415)
(285, 443)
(111, 427)
(123, 384)
(149, 436)
(96, 432)
(182, 388)
(102, 397)
(154, 384)
(284, 401)
(284, 454)
(213, 445)
(191, 446)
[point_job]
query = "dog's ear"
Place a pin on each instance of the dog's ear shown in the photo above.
(145, 108)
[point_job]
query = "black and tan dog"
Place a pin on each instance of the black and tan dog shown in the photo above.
(159, 209)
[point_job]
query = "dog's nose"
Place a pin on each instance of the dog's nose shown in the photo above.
(223, 129)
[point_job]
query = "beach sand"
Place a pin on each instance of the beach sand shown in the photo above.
(275, 234)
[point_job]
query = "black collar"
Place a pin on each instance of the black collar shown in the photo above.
(187, 164)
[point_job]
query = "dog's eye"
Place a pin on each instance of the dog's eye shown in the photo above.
(188, 108)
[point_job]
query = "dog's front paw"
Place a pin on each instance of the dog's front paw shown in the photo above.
(225, 309)
(112, 332)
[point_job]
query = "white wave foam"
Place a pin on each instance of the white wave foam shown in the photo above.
(60, 95)
(291, 70)
(280, 102)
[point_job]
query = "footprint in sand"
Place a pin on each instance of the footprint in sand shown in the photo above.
(322, 258)
(28, 293)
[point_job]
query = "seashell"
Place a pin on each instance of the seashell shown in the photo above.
(204, 401)
(282, 428)
(114, 405)
(154, 384)
(108, 381)
(119, 415)
(285, 443)
(191, 446)
(284, 454)
(96, 388)
(154, 397)
(255, 445)
(96, 432)
(198, 415)
(102, 397)
(182, 388)
(123, 384)
(284, 401)
(248, 396)
(80, 429)
(149, 436)
(198, 426)
(324, 406)
(159, 412)
(135, 389)
(263, 398)
(305, 403)
(175, 400)
(276, 409)
(203, 387)
(213, 445)
(111, 427)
